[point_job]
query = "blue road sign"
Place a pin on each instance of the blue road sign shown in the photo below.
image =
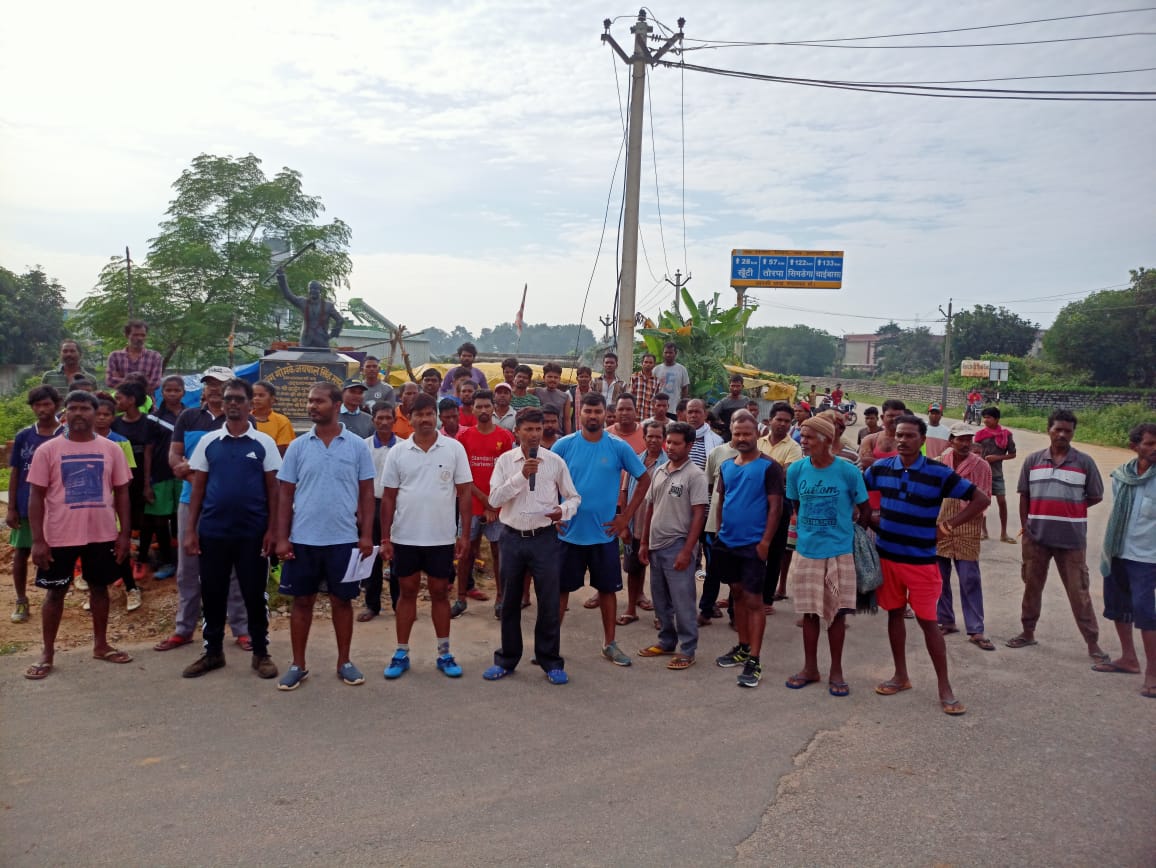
(803, 269)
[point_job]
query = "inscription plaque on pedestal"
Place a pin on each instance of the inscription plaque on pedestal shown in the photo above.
(294, 372)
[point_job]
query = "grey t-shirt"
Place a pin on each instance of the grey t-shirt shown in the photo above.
(673, 494)
(671, 379)
(383, 391)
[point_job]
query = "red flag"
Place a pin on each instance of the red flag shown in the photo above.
(518, 321)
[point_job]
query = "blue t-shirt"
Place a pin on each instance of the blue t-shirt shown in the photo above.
(236, 502)
(827, 499)
(746, 488)
(26, 442)
(193, 424)
(911, 497)
(596, 468)
(327, 479)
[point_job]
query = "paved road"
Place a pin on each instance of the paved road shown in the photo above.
(1052, 765)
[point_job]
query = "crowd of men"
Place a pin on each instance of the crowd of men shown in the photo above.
(569, 487)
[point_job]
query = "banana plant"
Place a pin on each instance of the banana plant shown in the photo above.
(705, 337)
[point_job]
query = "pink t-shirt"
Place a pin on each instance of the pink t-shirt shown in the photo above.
(79, 478)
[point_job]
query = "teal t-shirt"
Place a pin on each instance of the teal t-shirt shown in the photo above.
(827, 500)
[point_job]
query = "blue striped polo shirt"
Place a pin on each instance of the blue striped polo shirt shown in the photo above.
(911, 497)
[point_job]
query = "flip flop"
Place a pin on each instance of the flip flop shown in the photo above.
(1008, 539)
(645, 604)
(367, 615)
(839, 688)
(1148, 692)
(947, 631)
(798, 682)
(1112, 667)
(953, 707)
(680, 661)
(592, 603)
(779, 597)
(623, 620)
(37, 671)
(1020, 642)
(1102, 657)
(981, 642)
(112, 655)
(890, 688)
(654, 651)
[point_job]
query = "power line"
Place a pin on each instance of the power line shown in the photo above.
(928, 91)
(740, 43)
(654, 160)
(1016, 77)
(682, 126)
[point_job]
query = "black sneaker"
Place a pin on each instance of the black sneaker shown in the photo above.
(458, 608)
(751, 675)
(735, 657)
(205, 663)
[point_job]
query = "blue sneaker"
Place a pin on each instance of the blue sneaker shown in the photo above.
(557, 676)
(351, 675)
(496, 673)
(292, 678)
(397, 666)
(448, 665)
(165, 572)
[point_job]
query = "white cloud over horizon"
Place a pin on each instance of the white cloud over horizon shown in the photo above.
(470, 147)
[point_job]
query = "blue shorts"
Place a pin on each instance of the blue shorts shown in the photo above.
(313, 567)
(1130, 593)
(492, 530)
(601, 559)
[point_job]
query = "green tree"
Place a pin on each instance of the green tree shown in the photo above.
(1110, 334)
(31, 317)
(798, 348)
(705, 336)
(987, 329)
(908, 351)
(200, 282)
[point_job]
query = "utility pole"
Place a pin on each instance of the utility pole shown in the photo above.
(607, 321)
(740, 303)
(128, 279)
(946, 353)
(637, 62)
(678, 283)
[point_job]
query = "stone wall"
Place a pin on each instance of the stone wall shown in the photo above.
(919, 396)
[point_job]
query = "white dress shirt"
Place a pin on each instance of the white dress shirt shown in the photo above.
(523, 509)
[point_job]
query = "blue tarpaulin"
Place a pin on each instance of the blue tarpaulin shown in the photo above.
(193, 384)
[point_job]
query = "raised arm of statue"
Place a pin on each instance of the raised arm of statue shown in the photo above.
(295, 300)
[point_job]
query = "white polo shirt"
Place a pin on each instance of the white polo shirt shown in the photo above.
(427, 508)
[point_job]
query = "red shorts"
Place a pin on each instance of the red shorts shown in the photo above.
(915, 585)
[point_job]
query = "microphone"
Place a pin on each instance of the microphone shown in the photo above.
(533, 476)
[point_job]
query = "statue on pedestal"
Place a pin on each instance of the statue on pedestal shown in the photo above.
(316, 313)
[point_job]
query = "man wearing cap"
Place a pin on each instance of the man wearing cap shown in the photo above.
(193, 424)
(504, 414)
(935, 426)
(352, 417)
(962, 546)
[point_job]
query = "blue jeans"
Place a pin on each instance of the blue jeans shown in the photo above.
(970, 595)
(673, 594)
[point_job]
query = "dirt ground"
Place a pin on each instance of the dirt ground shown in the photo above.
(151, 622)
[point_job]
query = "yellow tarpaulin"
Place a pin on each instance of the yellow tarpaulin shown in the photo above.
(770, 388)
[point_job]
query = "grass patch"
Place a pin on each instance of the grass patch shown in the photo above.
(7, 648)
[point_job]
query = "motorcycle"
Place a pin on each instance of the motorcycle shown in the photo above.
(847, 408)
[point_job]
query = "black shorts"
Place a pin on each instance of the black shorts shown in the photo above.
(630, 561)
(601, 559)
(437, 562)
(311, 566)
(740, 565)
(97, 562)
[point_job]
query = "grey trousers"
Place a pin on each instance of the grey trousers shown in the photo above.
(189, 589)
(673, 593)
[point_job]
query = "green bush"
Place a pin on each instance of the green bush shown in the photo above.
(14, 415)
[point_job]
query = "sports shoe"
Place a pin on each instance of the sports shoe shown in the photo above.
(165, 572)
(751, 675)
(458, 608)
(138, 571)
(265, 666)
(700, 575)
(207, 662)
(496, 673)
(448, 665)
(397, 665)
(735, 657)
(614, 654)
(477, 594)
(244, 643)
(292, 678)
(557, 676)
(132, 600)
(350, 674)
(498, 611)
(20, 614)
(79, 583)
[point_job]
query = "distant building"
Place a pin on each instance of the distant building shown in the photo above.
(860, 353)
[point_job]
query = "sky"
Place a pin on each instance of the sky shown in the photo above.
(472, 147)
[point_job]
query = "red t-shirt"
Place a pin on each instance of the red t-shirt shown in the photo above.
(483, 450)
